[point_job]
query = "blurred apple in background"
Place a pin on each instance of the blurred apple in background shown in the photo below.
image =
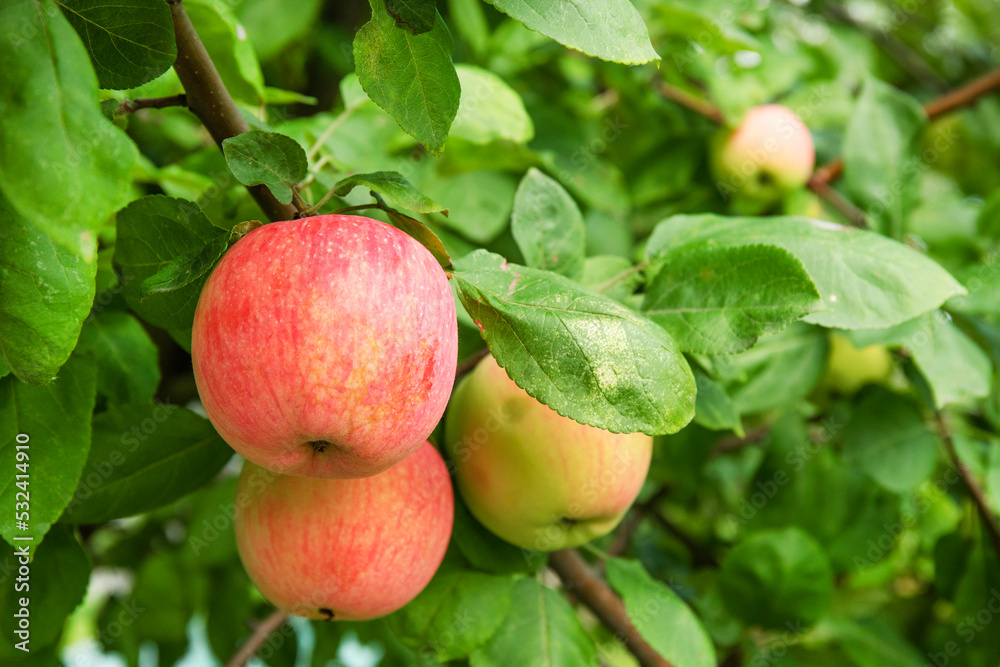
(345, 549)
(849, 369)
(325, 346)
(534, 478)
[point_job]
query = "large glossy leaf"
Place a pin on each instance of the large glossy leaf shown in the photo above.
(63, 166)
(55, 419)
(128, 369)
(609, 29)
(547, 225)
(865, 280)
(53, 588)
(457, 612)
(541, 630)
(153, 232)
(881, 162)
(720, 300)
(584, 355)
(142, 457)
(410, 76)
(130, 41)
(46, 291)
(660, 616)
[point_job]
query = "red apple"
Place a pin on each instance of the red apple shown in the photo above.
(325, 346)
(345, 549)
(771, 151)
(534, 478)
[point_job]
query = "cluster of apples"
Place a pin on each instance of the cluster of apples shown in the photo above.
(325, 351)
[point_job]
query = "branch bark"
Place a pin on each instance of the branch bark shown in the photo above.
(579, 579)
(991, 524)
(209, 100)
(257, 639)
(131, 106)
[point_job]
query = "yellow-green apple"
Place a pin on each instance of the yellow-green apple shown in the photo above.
(325, 346)
(534, 478)
(848, 368)
(346, 549)
(770, 152)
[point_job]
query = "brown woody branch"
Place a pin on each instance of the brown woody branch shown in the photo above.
(209, 100)
(257, 639)
(990, 522)
(580, 580)
(939, 106)
(131, 106)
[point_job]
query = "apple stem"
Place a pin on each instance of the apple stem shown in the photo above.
(579, 579)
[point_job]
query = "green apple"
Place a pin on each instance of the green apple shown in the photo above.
(768, 154)
(534, 478)
(849, 369)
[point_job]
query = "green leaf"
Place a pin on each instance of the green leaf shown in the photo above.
(609, 29)
(713, 408)
(128, 369)
(424, 235)
(46, 291)
(779, 369)
(610, 275)
(547, 225)
(56, 420)
(63, 166)
(273, 25)
(417, 16)
(866, 281)
(587, 357)
(130, 41)
(143, 457)
(489, 110)
(881, 153)
(227, 46)
(541, 630)
(267, 158)
(456, 614)
(875, 643)
(191, 267)
(777, 577)
(56, 584)
(720, 300)
(660, 616)
(393, 187)
(410, 76)
(888, 439)
(479, 203)
(152, 232)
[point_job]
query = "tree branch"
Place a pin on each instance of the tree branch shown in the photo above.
(259, 636)
(209, 100)
(470, 362)
(577, 578)
(688, 100)
(131, 106)
(990, 522)
(937, 107)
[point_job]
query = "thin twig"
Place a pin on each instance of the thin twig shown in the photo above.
(733, 442)
(259, 636)
(852, 213)
(328, 132)
(990, 522)
(688, 100)
(209, 100)
(470, 362)
(580, 580)
(131, 106)
(318, 205)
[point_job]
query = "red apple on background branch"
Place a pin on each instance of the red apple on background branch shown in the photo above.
(325, 346)
(770, 152)
(534, 478)
(345, 549)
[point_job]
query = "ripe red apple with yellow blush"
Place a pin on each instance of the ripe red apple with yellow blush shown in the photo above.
(534, 478)
(325, 346)
(770, 152)
(345, 549)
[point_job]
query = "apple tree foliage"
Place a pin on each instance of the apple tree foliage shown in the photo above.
(538, 148)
